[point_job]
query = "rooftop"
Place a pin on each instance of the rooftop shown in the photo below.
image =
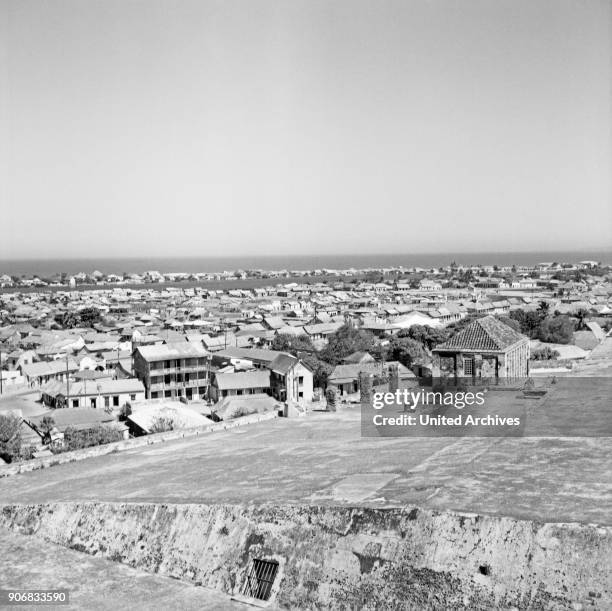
(176, 350)
(486, 334)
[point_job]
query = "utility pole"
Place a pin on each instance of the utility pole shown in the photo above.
(208, 360)
(1, 370)
(67, 383)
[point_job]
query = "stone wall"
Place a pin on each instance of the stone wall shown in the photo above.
(344, 557)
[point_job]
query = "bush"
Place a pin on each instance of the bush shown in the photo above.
(558, 330)
(345, 341)
(10, 437)
(161, 425)
(77, 439)
(544, 354)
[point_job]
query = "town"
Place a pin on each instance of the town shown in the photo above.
(131, 360)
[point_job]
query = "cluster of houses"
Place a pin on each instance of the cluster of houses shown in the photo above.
(196, 343)
(485, 276)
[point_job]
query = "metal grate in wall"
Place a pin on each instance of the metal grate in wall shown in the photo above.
(260, 579)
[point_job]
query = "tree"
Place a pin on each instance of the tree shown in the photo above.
(345, 341)
(406, 350)
(89, 316)
(293, 344)
(528, 321)
(581, 315)
(558, 330)
(543, 309)
(320, 370)
(427, 336)
(47, 424)
(67, 320)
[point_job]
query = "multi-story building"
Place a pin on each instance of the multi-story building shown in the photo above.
(172, 371)
(290, 378)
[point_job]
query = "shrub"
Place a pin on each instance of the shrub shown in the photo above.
(544, 354)
(558, 330)
(76, 439)
(10, 437)
(161, 425)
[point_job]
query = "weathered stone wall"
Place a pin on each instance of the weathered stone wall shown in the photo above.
(344, 557)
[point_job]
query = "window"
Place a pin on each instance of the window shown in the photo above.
(260, 579)
(116, 401)
(75, 403)
(132, 397)
(106, 401)
(468, 367)
(301, 380)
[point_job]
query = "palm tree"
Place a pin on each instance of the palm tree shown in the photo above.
(543, 308)
(581, 316)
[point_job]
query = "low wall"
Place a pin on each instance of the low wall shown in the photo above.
(128, 444)
(344, 557)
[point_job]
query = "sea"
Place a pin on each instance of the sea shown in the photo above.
(50, 267)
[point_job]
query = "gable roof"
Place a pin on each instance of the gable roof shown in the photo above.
(48, 368)
(259, 355)
(358, 357)
(486, 334)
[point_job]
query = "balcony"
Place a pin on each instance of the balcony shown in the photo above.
(177, 385)
(174, 370)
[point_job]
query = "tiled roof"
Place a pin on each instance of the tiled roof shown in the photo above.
(487, 334)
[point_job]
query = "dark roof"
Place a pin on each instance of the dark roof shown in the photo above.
(283, 363)
(486, 334)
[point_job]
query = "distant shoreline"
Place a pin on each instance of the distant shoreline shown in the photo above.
(211, 265)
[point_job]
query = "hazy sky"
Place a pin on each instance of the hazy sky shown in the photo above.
(235, 127)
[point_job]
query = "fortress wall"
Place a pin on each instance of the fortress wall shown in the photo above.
(343, 556)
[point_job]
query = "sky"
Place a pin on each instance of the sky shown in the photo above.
(225, 127)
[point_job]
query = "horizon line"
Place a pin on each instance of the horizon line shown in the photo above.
(603, 249)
